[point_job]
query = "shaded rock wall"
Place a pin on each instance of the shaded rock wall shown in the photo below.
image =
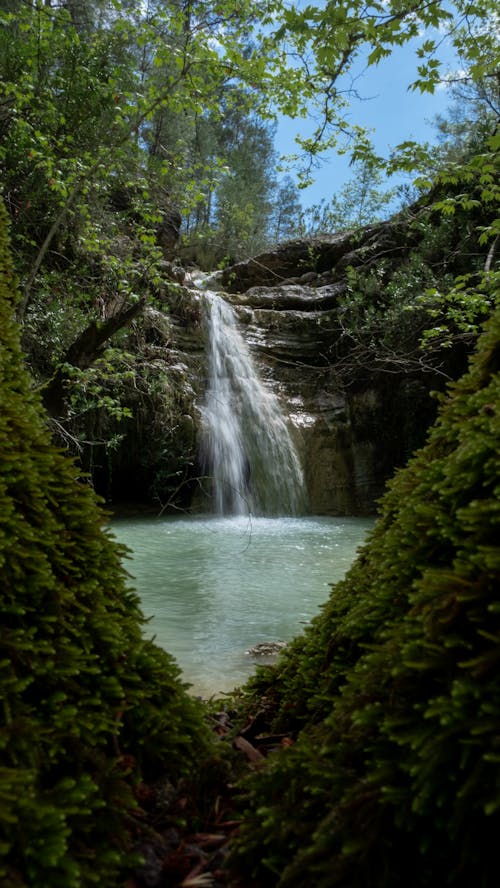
(354, 421)
(351, 437)
(154, 457)
(359, 410)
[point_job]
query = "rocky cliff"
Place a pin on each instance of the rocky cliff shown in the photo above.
(334, 328)
(359, 408)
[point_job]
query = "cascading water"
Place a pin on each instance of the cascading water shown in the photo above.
(247, 448)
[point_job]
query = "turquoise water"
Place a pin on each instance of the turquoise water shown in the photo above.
(214, 587)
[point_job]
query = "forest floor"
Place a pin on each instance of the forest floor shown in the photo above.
(184, 833)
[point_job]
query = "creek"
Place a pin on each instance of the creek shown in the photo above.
(216, 586)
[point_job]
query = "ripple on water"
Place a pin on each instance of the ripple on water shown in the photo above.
(216, 587)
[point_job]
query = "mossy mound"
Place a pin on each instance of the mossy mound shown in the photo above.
(88, 707)
(394, 690)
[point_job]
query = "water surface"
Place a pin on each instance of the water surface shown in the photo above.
(214, 587)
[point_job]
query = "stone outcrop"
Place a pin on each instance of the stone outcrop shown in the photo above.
(350, 437)
(354, 423)
(354, 420)
(319, 260)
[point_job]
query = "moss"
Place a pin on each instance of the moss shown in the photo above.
(394, 690)
(88, 706)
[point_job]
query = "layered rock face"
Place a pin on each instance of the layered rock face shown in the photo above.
(353, 420)
(351, 437)
(352, 428)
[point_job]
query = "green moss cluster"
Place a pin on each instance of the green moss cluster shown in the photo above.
(87, 706)
(394, 691)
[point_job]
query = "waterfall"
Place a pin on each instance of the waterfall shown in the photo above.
(247, 448)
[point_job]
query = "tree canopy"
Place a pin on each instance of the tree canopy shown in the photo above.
(123, 126)
(98, 94)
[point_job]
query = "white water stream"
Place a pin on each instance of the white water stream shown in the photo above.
(247, 449)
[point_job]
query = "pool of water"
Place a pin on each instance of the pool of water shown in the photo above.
(215, 587)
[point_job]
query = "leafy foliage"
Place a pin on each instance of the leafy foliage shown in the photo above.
(332, 42)
(89, 707)
(420, 295)
(361, 201)
(394, 690)
(117, 125)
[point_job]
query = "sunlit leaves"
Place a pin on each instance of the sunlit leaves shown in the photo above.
(459, 310)
(429, 76)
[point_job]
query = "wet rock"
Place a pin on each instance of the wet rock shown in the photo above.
(266, 648)
(172, 272)
(293, 297)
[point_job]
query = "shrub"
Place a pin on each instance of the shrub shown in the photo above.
(89, 707)
(394, 690)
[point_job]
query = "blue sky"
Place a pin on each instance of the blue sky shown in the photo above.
(388, 107)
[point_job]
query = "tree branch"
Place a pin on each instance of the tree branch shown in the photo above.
(83, 352)
(82, 180)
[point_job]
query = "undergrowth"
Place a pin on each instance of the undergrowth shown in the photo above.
(393, 692)
(89, 709)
